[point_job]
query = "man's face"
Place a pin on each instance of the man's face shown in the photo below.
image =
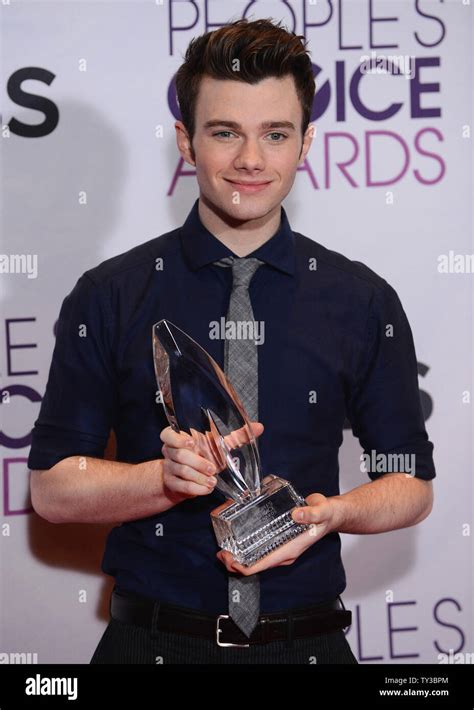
(237, 149)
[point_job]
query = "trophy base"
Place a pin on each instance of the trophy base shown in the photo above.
(255, 528)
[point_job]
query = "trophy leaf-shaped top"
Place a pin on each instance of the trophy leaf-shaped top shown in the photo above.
(200, 400)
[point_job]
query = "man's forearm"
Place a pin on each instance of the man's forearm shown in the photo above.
(82, 489)
(390, 502)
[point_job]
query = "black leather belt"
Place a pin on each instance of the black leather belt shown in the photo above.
(287, 625)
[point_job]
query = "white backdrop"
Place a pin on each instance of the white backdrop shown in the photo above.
(90, 168)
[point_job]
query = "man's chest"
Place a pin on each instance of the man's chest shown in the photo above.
(305, 354)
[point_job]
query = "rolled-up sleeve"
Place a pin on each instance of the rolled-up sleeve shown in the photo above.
(79, 404)
(385, 406)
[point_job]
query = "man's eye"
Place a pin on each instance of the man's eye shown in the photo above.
(274, 133)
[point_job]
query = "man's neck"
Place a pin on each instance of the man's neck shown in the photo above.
(240, 237)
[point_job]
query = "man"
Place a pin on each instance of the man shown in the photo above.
(336, 343)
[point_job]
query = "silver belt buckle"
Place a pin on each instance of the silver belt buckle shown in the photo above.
(219, 631)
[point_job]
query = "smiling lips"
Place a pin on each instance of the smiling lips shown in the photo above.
(249, 186)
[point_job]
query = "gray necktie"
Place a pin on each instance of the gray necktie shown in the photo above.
(241, 367)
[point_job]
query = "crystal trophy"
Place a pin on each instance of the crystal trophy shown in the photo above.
(199, 399)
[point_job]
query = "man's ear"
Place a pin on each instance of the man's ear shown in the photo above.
(306, 145)
(184, 144)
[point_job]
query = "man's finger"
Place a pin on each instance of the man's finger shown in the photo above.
(188, 488)
(186, 473)
(190, 458)
(173, 438)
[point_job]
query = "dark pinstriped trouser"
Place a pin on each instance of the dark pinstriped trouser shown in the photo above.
(127, 643)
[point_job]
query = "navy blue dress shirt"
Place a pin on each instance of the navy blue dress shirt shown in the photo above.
(326, 356)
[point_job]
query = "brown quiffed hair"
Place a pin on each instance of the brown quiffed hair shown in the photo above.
(264, 49)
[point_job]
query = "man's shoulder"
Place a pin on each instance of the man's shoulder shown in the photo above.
(338, 266)
(136, 260)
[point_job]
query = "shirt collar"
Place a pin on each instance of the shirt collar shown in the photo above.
(201, 247)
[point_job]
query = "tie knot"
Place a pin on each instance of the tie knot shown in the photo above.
(243, 268)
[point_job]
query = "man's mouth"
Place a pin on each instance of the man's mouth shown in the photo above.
(249, 186)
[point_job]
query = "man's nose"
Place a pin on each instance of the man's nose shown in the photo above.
(250, 155)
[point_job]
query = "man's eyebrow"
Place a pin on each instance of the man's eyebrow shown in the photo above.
(233, 124)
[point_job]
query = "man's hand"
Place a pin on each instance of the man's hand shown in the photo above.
(393, 501)
(322, 515)
(186, 472)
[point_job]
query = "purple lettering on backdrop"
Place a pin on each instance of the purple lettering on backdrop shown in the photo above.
(307, 24)
(368, 169)
(364, 110)
(417, 88)
(341, 165)
(431, 17)
(450, 626)
(339, 32)
(420, 150)
(18, 390)
(173, 99)
(340, 91)
(212, 25)
(251, 4)
(208, 24)
(181, 28)
(359, 640)
(392, 629)
(17, 346)
(6, 489)
(373, 20)
(322, 96)
(179, 172)
(306, 168)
